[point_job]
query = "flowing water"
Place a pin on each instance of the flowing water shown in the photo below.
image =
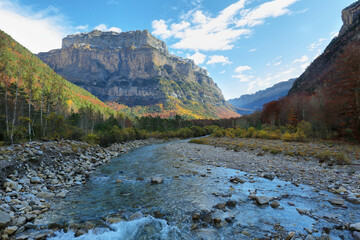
(165, 210)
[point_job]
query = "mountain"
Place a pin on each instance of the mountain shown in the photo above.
(248, 103)
(134, 72)
(327, 94)
(312, 79)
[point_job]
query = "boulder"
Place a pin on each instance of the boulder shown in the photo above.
(4, 219)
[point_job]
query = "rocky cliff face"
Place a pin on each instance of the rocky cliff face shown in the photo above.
(349, 14)
(131, 68)
(310, 81)
(250, 102)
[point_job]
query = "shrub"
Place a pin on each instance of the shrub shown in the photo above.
(218, 133)
(92, 139)
(198, 141)
(323, 155)
(341, 158)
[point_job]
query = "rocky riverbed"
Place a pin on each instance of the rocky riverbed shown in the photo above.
(342, 180)
(38, 180)
(33, 174)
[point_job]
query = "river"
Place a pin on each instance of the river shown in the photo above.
(164, 211)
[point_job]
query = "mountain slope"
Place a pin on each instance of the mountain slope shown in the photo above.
(310, 80)
(18, 63)
(327, 94)
(135, 73)
(249, 103)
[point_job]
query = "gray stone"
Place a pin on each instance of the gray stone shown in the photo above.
(262, 200)
(324, 236)
(20, 221)
(220, 206)
(45, 194)
(355, 227)
(270, 176)
(157, 180)
(356, 235)
(61, 194)
(337, 201)
(275, 204)
(35, 180)
(310, 237)
(135, 216)
(4, 219)
(10, 230)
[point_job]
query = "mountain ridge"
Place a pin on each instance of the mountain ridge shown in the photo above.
(248, 103)
(135, 69)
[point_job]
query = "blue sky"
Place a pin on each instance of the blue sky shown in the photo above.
(246, 45)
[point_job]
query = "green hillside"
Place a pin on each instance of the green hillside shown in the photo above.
(34, 98)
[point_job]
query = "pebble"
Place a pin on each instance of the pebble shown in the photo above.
(262, 200)
(157, 180)
(275, 204)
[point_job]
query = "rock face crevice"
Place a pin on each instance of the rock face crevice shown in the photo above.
(131, 68)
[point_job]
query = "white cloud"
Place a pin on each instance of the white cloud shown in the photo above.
(278, 63)
(302, 59)
(223, 71)
(37, 31)
(315, 46)
(252, 50)
(198, 58)
(243, 78)
(199, 31)
(218, 59)
(82, 27)
(334, 34)
(104, 28)
(258, 15)
(241, 69)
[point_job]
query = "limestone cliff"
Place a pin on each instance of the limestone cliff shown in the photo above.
(349, 14)
(133, 68)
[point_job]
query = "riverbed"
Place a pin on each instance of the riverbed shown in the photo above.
(194, 200)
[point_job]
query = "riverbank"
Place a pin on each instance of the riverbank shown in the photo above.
(33, 174)
(273, 158)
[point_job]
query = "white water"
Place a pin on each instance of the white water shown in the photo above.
(143, 228)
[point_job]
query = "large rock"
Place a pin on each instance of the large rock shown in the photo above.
(4, 219)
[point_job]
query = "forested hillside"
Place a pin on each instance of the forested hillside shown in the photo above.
(36, 101)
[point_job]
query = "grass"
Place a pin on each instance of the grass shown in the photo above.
(324, 151)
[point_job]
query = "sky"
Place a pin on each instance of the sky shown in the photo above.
(245, 45)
